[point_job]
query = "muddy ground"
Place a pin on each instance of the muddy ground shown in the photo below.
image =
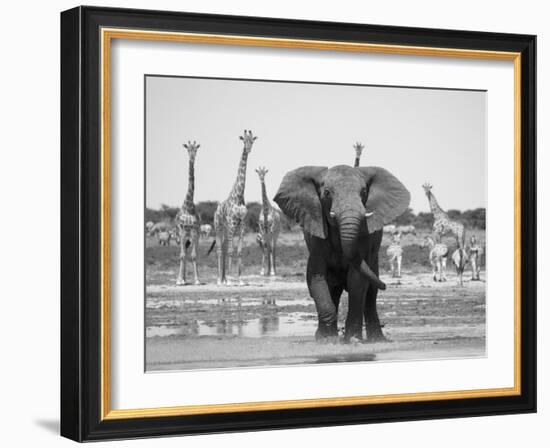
(272, 321)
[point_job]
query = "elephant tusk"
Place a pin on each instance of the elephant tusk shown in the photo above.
(369, 214)
(332, 215)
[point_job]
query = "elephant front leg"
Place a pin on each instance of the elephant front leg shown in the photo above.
(357, 289)
(372, 321)
(327, 327)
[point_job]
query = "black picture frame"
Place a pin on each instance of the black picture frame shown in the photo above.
(81, 224)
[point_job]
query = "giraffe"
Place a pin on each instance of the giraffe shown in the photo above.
(229, 218)
(475, 251)
(438, 258)
(358, 150)
(270, 227)
(442, 223)
(188, 222)
(395, 254)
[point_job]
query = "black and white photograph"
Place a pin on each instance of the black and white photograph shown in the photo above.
(295, 223)
(283, 221)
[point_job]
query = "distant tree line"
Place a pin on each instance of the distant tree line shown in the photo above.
(474, 219)
(206, 210)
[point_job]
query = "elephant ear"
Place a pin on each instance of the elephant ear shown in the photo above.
(298, 198)
(387, 197)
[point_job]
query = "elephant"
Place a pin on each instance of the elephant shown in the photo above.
(342, 211)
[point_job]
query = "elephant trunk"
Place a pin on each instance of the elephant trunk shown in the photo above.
(367, 272)
(349, 226)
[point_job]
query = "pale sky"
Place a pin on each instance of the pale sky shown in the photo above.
(419, 135)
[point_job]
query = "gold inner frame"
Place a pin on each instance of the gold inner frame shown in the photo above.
(107, 35)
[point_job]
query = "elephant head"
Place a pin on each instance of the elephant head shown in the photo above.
(354, 200)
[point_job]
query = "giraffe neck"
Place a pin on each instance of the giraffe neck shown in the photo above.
(189, 198)
(237, 193)
(356, 164)
(434, 206)
(265, 202)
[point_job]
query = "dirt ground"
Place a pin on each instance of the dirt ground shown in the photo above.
(273, 321)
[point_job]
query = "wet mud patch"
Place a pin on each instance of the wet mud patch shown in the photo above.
(271, 322)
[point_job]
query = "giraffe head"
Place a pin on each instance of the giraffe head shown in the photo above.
(427, 188)
(358, 148)
(248, 140)
(262, 171)
(192, 148)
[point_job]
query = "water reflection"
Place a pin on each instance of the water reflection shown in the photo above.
(269, 320)
(235, 317)
(269, 324)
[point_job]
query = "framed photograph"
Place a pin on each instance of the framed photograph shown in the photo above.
(272, 223)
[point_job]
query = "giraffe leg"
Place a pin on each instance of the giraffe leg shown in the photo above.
(194, 248)
(444, 269)
(183, 261)
(271, 268)
(219, 252)
(263, 271)
(268, 255)
(434, 269)
(185, 265)
(399, 259)
(229, 254)
(239, 256)
(273, 254)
